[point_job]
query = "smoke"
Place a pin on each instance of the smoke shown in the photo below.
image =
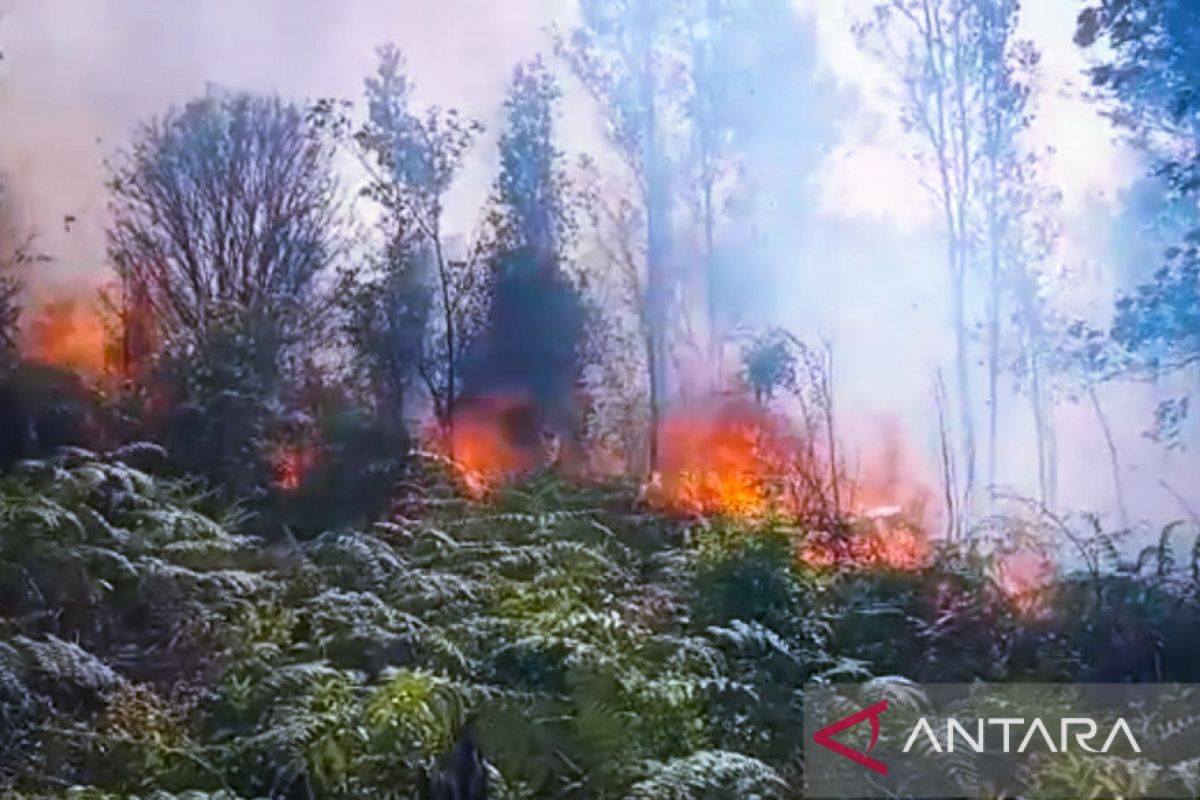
(78, 77)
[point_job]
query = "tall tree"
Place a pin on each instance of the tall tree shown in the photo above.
(226, 205)
(413, 158)
(225, 232)
(529, 344)
(937, 48)
(759, 115)
(627, 54)
(531, 189)
(1017, 231)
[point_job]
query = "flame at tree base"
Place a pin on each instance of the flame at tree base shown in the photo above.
(492, 440)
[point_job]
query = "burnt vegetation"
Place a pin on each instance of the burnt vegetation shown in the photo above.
(360, 508)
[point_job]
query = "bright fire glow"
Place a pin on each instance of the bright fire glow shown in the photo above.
(743, 461)
(735, 459)
(1025, 577)
(485, 447)
(67, 333)
(729, 462)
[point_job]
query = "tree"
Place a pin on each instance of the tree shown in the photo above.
(225, 231)
(228, 204)
(531, 190)
(759, 114)
(934, 47)
(966, 87)
(530, 341)
(1017, 231)
(413, 159)
(1148, 75)
(12, 258)
(627, 54)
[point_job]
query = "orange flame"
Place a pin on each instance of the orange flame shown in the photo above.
(743, 461)
(723, 463)
(67, 333)
(493, 438)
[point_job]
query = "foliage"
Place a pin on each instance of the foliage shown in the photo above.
(426, 294)
(1148, 73)
(529, 343)
(146, 646)
(228, 203)
(216, 402)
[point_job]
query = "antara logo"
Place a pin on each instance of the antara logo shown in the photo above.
(1037, 729)
(824, 737)
(1077, 731)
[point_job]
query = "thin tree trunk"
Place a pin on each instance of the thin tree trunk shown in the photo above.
(657, 220)
(715, 340)
(1114, 461)
(1037, 407)
(949, 478)
(451, 355)
(963, 368)
(829, 431)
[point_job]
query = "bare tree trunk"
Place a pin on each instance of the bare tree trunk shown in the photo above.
(963, 375)
(451, 354)
(716, 349)
(1114, 461)
(949, 478)
(827, 390)
(1051, 455)
(994, 290)
(657, 222)
(1037, 408)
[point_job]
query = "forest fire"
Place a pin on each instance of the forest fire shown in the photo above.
(1025, 577)
(67, 333)
(745, 462)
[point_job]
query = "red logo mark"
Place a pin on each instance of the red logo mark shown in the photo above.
(824, 737)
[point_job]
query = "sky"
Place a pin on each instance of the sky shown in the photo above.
(78, 75)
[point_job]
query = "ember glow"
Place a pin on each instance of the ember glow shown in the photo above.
(1025, 577)
(67, 333)
(290, 464)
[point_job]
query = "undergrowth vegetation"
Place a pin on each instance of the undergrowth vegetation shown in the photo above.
(150, 645)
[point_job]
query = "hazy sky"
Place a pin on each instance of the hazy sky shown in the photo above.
(79, 75)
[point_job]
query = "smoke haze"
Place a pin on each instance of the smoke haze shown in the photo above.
(862, 263)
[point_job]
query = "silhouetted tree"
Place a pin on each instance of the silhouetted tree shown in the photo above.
(228, 204)
(529, 343)
(225, 233)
